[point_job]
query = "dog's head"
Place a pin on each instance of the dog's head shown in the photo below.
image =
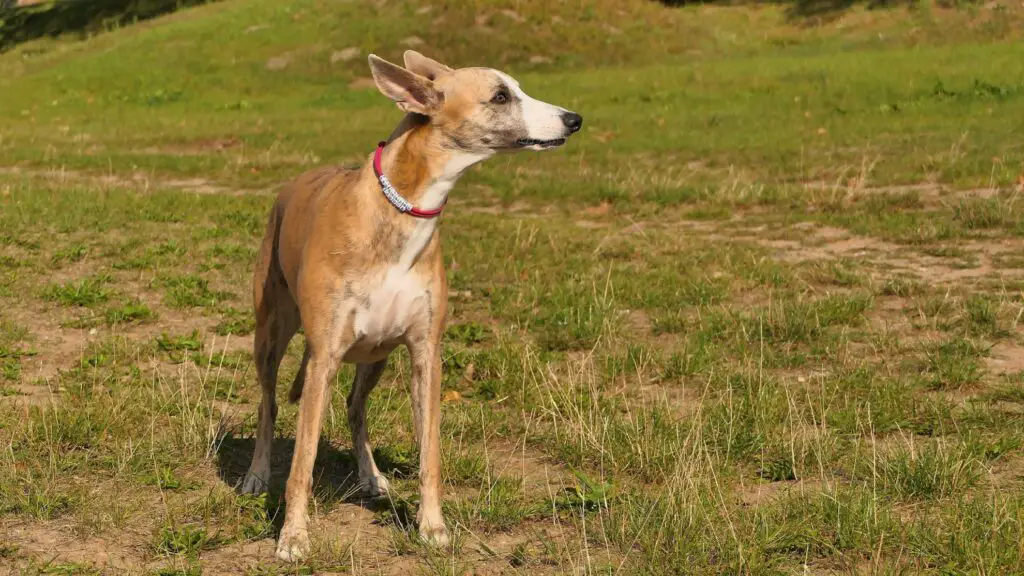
(477, 110)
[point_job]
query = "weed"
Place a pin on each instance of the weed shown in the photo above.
(70, 253)
(177, 347)
(181, 539)
(927, 471)
(163, 478)
(955, 364)
(467, 334)
(190, 291)
(131, 312)
(978, 213)
(903, 287)
(982, 317)
(587, 495)
(235, 323)
(71, 569)
(500, 506)
(86, 292)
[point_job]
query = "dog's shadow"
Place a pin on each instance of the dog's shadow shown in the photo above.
(335, 475)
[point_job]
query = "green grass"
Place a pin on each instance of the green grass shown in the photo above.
(954, 364)
(759, 317)
(86, 292)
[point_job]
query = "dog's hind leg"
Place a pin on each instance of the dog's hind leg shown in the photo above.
(277, 320)
(271, 343)
(300, 377)
(367, 375)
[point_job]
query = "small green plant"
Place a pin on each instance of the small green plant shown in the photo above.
(520, 556)
(40, 502)
(399, 513)
(465, 469)
(94, 359)
(191, 291)
(131, 312)
(980, 213)
(255, 512)
(10, 363)
(178, 347)
(193, 570)
(235, 322)
(397, 461)
(499, 506)
(777, 469)
(982, 315)
(899, 286)
(71, 569)
(571, 321)
(954, 365)
(71, 253)
(226, 360)
(468, 333)
(223, 389)
(671, 322)
(170, 248)
(929, 471)
(181, 343)
(588, 494)
(164, 478)
(184, 539)
(86, 292)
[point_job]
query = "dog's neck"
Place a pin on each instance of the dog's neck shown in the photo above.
(423, 170)
(420, 166)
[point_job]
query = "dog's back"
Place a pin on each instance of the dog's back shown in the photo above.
(298, 201)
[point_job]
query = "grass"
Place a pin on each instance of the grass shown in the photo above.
(761, 316)
(86, 292)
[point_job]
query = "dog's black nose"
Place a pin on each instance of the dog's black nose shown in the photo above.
(572, 121)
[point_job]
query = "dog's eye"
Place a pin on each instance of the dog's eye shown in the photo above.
(500, 97)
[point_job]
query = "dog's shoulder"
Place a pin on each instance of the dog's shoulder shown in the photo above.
(326, 177)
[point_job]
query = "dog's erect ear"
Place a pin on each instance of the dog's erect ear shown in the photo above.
(412, 92)
(419, 64)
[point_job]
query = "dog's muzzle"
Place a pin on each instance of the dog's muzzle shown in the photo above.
(572, 122)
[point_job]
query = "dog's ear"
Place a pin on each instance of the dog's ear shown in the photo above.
(419, 64)
(412, 92)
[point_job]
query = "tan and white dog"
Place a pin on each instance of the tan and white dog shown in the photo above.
(354, 258)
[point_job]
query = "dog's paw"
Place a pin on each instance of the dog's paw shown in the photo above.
(293, 545)
(255, 484)
(375, 485)
(436, 536)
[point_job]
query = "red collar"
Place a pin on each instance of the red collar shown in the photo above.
(394, 197)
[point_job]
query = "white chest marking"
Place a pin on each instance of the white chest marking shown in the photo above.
(399, 302)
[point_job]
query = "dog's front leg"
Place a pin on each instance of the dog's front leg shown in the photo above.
(426, 404)
(293, 544)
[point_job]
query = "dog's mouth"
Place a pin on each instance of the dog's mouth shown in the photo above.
(534, 144)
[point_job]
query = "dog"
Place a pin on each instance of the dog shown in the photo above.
(353, 257)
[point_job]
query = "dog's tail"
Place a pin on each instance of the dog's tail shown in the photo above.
(296, 392)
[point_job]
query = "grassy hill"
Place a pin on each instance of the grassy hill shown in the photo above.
(760, 317)
(688, 80)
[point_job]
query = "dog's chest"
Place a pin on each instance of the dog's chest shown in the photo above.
(386, 311)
